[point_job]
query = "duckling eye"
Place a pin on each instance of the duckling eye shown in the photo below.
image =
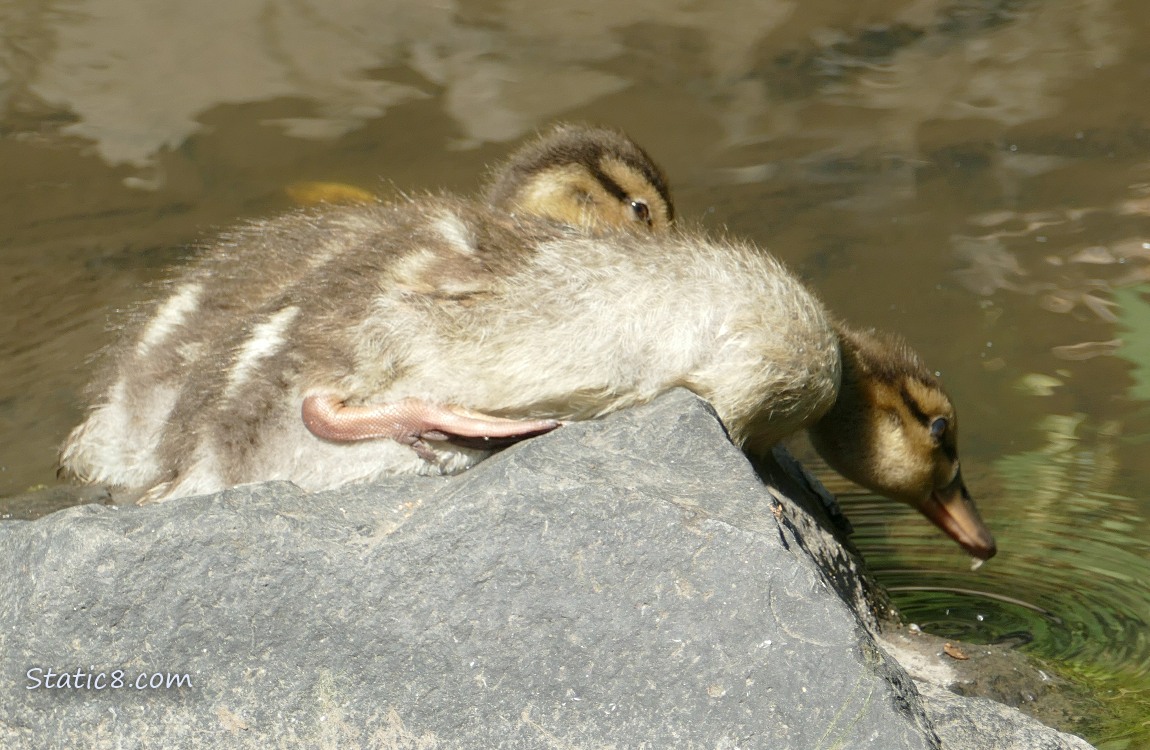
(938, 428)
(641, 212)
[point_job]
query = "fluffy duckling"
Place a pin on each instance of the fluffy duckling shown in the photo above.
(588, 178)
(424, 334)
(451, 322)
(893, 429)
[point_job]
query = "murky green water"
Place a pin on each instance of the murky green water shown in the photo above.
(974, 174)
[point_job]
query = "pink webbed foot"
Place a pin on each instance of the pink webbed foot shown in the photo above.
(411, 421)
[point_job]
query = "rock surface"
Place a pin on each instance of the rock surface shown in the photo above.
(982, 723)
(622, 583)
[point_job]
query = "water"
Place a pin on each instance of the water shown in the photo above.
(974, 174)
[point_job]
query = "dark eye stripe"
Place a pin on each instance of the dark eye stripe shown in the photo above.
(947, 447)
(913, 407)
(660, 184)
(612, 187)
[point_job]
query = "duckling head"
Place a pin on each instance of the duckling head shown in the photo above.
(893, 430)
(591, 178)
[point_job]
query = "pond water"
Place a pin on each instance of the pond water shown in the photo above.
(974, 174)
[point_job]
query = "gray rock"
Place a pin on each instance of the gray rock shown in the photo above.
(622, 583)
(985, 724)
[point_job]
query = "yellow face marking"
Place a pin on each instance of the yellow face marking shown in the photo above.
(885, 442)
(638, 188)
(567, 194)
(932, 402)
(571, 194)
(937, 456)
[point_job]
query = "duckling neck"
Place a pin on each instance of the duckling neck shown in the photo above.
(840, 430)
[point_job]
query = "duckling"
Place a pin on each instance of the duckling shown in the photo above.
(893, 457)
(583, 177)
(450, 321)
(630, 330)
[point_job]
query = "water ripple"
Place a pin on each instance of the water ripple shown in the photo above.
(1074, 589)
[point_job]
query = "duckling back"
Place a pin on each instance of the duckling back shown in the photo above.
(591, 324)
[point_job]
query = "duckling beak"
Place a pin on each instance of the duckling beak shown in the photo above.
(952, 510)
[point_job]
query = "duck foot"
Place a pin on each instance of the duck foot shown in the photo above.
(412, 421)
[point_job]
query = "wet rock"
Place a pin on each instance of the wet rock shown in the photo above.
(982, 723)
(628, 582)
(999, 672)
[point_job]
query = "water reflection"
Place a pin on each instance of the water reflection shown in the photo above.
(134, 83)
(1088, 564)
